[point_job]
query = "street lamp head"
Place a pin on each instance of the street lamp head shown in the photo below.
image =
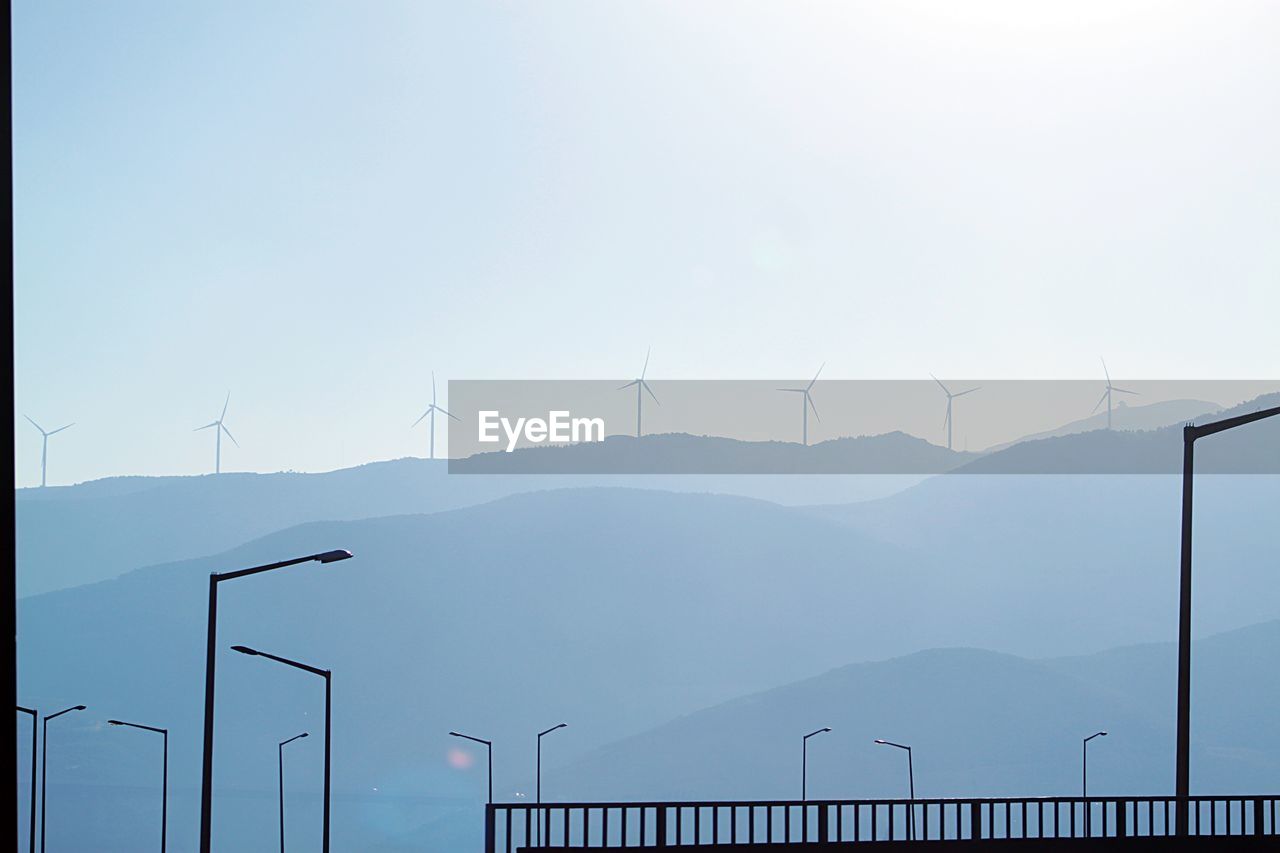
(454, 734)
(882, 742)
(78, 708)
(304, 734)
(245, 650)
(114, 723)
(826, 728)
(333, 556)
(1104, 734)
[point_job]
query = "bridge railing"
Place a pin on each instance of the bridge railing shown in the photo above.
(511, 827)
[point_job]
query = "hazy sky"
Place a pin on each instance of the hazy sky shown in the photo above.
(314, 204)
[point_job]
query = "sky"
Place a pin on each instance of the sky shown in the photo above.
(314, 205)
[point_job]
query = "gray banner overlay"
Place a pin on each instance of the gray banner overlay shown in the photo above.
(818, 426)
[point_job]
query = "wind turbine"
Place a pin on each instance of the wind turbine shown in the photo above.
(44, 445)
(641, 387)
(947, 421)
(806, 403)
(218, 429)
(1106, 395)
(431, 410)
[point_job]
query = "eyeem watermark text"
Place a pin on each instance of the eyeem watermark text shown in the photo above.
(559, 427)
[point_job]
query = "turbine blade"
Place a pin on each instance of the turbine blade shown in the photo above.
(423, 415)
(628, 385)
(646, 363)
(224, 407)
(1102, 400)
(1104, 369)
(36, 425)
(60, 429)
(815, 377)
(433, 387)
(1122, 391)
(970, 391)
(645, 386)
(947, 418)
(811, 405)
(229, 435)
(206, 426)
(940, 385)
(447, 412)
(797, 390)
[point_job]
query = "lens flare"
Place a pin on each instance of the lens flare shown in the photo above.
(460, 759)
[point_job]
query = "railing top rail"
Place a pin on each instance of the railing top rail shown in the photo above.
(636, 804)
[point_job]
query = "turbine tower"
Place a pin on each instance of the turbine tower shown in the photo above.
(431, 410)
(947, 421)
(1106, 395)
(806, 403)
(641, 387)
(219, 427)
(44, 446)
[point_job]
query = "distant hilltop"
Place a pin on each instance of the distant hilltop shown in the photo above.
(681, 453)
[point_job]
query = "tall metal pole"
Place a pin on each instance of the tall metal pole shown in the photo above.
(1184, 636)
(280, 757)
(328, 721)
(1189, 435)
(164, 796)
(31, 821)
(911, 776)
(44, 769)
(206, 772)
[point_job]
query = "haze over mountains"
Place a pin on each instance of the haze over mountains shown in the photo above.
(85, 533)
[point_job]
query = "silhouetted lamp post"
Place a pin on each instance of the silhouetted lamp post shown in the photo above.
(328, 704)
(210, 660)
(164, 776)
(538, 776)
(31, 846)
(280, 755)
(44, 769)
(1189, 435)
(488, 745)
(911, 778)
(1084, 778)
(804, 763)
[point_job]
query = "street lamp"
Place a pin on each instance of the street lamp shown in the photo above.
(911, 777)
(488, 745)
(31, 822)
(328, 704)
(1084, 778)
(538, 775)
(1189, 435)
(164, 777)
(44, 767)
(280, 755)
(804, 763)
(210, 659)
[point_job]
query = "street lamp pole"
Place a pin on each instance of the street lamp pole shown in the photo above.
(804, 764)
(210, 662)
(31, 821)
(44, 768)
(1084, 778)
(328, 719)
(911, 778)
(280, 755)
(1189, 435)
(164, 776)
(538, 777)
(488, 745)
